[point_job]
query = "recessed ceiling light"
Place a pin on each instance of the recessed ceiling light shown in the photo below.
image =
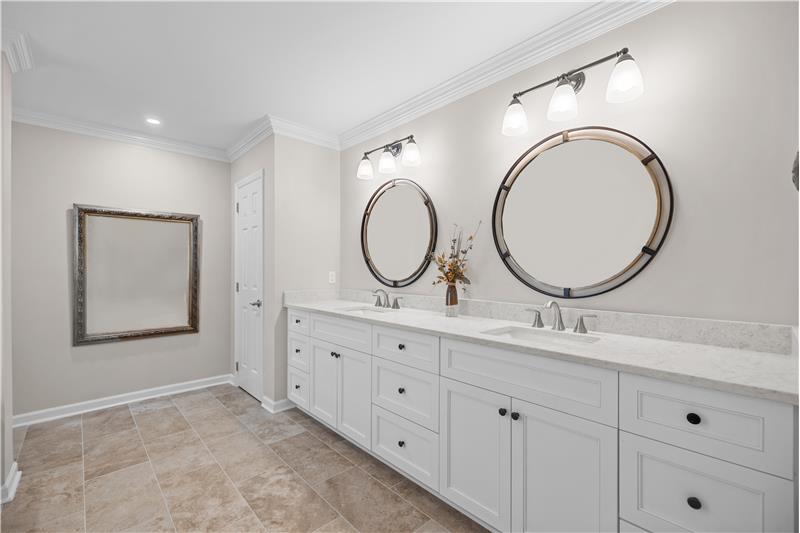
(153, 121)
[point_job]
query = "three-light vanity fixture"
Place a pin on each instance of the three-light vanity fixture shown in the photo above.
(624, 85)
(386, 164)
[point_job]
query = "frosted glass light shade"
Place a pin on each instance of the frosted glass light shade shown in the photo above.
(386, 164)
(563, 104)
(515, 122)
(411, 156)
(625, 83)
(364, 169)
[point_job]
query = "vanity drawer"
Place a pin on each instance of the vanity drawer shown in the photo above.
(664, 488)
(297, 321)
(348, 333)
(406, 391)
(412, 349)
(297, 384)
(298, 351)
(580, 390)
(748, 431)
(406, 446)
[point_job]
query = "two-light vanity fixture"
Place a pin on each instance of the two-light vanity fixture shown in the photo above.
(386, 164)
(624, 85)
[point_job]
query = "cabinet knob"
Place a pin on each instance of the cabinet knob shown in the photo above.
(502, 411)
(694, 503)
(401, 443)
(333, 354)
(401, 346)
(297, 386)
(337, 355)
(401, 390)
(693, 418)
(296, 320)
(515, 416)
(297, 350)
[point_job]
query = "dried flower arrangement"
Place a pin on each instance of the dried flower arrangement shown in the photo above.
(452, 266)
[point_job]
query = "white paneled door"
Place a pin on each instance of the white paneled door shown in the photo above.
(249, 283)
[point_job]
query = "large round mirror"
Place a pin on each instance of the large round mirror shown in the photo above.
(582, 212)
(398, 232)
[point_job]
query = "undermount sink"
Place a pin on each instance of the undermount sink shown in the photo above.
(365, 310)
(537, 334)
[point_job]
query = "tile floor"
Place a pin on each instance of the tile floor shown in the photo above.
(210, 460)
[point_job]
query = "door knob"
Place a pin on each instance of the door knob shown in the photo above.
(257, 303)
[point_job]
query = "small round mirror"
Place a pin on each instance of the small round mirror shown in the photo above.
(398, 232)
(582, 212)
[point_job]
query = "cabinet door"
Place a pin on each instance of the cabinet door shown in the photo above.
(324, 378)
(565, 471)
(355, 390)
(475, 451)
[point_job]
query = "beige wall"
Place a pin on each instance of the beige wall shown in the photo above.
(6, 399)
(720, 108)
(52, 169)
(306, 227)
(301, 237)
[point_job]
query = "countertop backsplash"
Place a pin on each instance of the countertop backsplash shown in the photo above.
(772, 338)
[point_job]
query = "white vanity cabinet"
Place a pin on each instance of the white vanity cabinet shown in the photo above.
(475, 446)
(340, 389)
(529, 443)
(564, 471)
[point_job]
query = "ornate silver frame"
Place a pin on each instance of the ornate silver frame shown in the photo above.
(79, 335)
(433, 225)
(661, 183)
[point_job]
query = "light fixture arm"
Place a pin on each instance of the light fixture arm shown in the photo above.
(569, 74)
(393, 146)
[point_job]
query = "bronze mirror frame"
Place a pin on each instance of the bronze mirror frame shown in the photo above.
(79, 303)
(433, 226)
(664, 209)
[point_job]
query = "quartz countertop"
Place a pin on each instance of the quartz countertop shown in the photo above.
(758, 374)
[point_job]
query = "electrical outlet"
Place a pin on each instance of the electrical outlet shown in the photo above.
(332, 277)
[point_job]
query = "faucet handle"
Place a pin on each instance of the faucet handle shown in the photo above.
(378, 302)
(580, 327)
(537, 317)
(396, 303)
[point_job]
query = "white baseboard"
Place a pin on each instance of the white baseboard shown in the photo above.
(9, 489)
(34, 417)
(276, 407)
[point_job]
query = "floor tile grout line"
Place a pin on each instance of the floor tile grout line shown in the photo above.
(236, 488)
(290, 467)
(153, 468)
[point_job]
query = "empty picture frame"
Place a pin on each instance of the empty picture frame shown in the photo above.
(135, 274)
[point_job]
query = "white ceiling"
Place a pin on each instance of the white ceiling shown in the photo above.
(210, 71)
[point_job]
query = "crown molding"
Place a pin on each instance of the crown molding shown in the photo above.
(260, 131)
(18, 53)
(113, 133)
(269, 125)
(587, 25)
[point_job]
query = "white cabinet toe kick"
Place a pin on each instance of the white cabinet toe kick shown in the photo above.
(527, 443)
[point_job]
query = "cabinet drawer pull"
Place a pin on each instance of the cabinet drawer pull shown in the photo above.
(297, 386)
(693, 419)
(401, 346)
(401, 390)
(502, 411)
(401, 443)
(515, 416)
(694, 503)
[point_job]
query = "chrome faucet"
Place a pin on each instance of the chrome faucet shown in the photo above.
(378, 302)
(558, 322)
